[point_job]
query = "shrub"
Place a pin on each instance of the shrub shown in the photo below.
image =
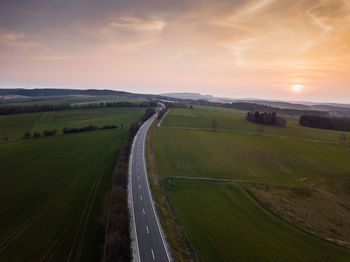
(36, 134)
(27, 135)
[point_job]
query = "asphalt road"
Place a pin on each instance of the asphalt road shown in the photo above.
(149, 240)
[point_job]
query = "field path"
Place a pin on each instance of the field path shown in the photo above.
(81, 229)
(249, 133)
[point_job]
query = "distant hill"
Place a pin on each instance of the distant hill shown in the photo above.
(50, 92)
(194, 96)
(279, 104)
(59, 92)
(186, 98)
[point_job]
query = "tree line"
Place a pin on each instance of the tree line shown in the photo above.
(150, 111)
(332, 123)
(67, 130)
(10, 109)
(162, 112)
(117, 243)
(256, 107)
(266, 118)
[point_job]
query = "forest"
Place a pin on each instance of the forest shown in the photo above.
(332, 123)
(266, 118)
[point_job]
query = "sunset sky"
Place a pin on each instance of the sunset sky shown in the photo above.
(238, 49)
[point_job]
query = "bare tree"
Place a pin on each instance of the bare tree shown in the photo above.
(213, 124)
(342, 138)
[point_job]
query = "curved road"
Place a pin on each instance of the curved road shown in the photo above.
(148, 241)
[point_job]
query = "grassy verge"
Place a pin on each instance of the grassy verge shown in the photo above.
(176, 236)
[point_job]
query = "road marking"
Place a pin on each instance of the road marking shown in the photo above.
(141, 197)
(138, 177)
(143, 211)
(147, 230)
(139, 186)
(153, 254)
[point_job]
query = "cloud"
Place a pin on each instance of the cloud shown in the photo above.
(54, 58)
(7, 36)
(211, 42)
(129, 23)
(13, 39)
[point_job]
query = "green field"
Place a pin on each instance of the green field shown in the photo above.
(231, 119)
(14, 126)
(223, 223)
(248, 158)
(53, 193)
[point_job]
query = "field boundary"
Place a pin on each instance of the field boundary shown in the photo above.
(260, 203)
(175, 233)
(247, 133)
(275, 214)
(256, 134)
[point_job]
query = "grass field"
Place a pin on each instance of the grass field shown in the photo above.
(305, 183)
(248, 158)
(14, 126)
(231, 119)
(224, 223)
(53, 193)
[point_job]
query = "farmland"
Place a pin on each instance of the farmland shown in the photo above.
(54, 190)
(224, 224)
(248, 158)
(231, 119)
(53, 193)
(14, 126)
(280, 195)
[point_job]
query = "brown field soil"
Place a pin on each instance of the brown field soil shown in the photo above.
(322, 210)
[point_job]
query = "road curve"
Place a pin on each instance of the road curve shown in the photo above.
(148, 240)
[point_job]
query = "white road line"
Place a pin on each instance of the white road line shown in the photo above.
(153, 254)
(143, 211)
(147, 230)
(141, 197)
(139, 186)
(138, 177)
(153, 204)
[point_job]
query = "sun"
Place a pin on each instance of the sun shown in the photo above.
(297, 87)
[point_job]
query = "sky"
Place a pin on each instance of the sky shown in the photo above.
(227, 48)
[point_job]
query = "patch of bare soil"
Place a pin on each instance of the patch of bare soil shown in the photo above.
(322, 210)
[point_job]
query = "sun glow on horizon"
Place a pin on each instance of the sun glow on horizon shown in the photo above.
(297, 87)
